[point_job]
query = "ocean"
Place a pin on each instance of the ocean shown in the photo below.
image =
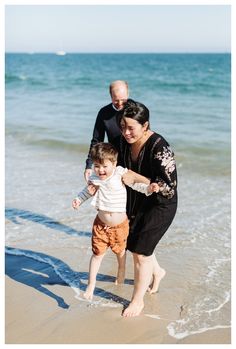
(51, 103)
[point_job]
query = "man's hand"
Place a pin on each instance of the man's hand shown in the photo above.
(92, 188)
(87, 174)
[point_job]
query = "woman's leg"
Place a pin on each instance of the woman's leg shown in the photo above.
(121, 258)
(94, 266)
(157, 274)
(143, 268)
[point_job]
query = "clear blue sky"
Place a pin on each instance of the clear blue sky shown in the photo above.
(118, 28)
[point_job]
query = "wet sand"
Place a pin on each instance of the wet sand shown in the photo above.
(42, 309)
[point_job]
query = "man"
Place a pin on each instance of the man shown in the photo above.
(106, 119)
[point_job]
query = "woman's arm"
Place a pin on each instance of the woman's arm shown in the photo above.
(131, 177)
(164, 171)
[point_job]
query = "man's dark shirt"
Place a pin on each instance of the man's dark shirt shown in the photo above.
(105, 123)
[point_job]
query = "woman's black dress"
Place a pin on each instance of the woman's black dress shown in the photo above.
(150, 216)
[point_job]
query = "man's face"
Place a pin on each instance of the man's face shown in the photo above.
(119, 96)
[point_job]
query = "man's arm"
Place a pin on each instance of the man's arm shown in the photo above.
(98, 136)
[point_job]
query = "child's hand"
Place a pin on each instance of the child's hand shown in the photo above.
(153, 187)
(75, 203)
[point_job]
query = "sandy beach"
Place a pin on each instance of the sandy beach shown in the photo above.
(42, 309)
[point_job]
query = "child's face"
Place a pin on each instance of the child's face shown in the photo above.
(104, 170)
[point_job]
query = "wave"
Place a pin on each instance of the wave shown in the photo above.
(193, 324)
(184, 150)
(184, 86)
(22, 78)
(60, 144)
(52, 83)
(204, 160)
(210, 307)
(51, 143)
(214, 88)
(184, 334)
(211, 88)
(13, 78)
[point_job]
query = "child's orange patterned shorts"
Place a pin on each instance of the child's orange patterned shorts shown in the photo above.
(105, 236)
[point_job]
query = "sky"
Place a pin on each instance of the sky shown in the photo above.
(118, 28)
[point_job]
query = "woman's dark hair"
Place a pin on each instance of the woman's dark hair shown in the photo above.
(134, 110)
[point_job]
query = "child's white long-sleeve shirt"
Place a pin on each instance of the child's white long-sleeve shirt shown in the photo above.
(111, 195)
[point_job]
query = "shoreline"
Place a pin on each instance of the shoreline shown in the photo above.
(42, 309)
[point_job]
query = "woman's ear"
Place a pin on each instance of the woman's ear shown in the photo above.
(146, 125)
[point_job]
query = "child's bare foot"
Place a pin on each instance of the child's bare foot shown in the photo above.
(120, 276)
(88, 294)
(134, 309)
(154, 286)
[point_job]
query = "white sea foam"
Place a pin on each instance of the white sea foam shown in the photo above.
(225, 300)
(157, 317)
(199, 317)
(23, 77)
(171, 327)
(99, 303)
(181, 335)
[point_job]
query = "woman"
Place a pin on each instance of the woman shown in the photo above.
(148, 154)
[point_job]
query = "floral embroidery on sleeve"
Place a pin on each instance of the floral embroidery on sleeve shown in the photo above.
(167, 162)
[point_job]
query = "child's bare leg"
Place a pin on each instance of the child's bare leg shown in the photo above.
(157, 274)
(94, 266)
(121, 258)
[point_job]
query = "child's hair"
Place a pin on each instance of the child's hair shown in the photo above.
(104, 151)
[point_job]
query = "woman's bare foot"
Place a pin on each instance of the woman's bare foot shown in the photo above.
(154, 286)
(88, 294)
(134, 309)
(120, 276)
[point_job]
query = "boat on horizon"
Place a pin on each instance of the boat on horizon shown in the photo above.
(60, 53)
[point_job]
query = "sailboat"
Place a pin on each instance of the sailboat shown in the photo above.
(60, 53)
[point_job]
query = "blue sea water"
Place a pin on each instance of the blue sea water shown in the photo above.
(51, 105)
(53, 100)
